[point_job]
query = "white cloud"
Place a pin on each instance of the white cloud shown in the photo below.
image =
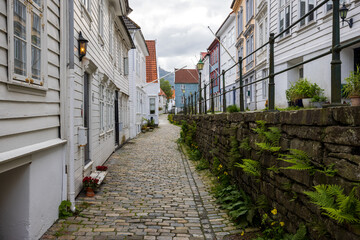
(179, 26)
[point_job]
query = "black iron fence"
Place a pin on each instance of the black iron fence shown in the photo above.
(195, 103)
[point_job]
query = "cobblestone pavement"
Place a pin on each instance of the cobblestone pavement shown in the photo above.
(151, 192)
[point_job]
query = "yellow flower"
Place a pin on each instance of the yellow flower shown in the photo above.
(220, 166)
(274, 211)
(218, 177)
(226, 173)
(242, 233)
(282, 224)
(273, 223)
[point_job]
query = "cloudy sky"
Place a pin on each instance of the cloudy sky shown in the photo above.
(180, 27)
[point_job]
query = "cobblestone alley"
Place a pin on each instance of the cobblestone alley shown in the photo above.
(150, 192)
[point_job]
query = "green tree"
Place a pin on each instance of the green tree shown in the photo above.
(166, 87)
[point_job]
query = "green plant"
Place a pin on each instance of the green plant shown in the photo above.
(245, 144)
(237, 203)
(335, 204)
(270, 137)
(318, 98)
(328, 170)
(64, 209)
(171, 118)
(203, 164)
(233, 108)
(352, 87)
(234, 154)
(302, 88)
(299, 160)
(195, 155)
(250, 167)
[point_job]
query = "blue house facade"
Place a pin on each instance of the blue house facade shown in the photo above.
(186, 84)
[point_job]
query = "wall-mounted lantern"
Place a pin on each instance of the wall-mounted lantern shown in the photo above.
(82, 46)
(343, 13)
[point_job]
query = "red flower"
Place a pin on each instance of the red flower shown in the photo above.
(101, 168)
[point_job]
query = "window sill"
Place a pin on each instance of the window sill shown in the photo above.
(100, 40)
(306, 26)
(109, 131)
(284, 38)
(26, 88)
(102, 135)
(85, 13)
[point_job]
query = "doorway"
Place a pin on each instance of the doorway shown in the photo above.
(86, 115)
(356, 58)
(116, 104)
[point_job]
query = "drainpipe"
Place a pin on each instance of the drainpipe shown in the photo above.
(71, 79)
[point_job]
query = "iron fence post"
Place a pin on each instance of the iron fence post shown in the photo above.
(192, 103)
(205, 110)
(224, 97)
(195, 104)
(271, 73)
(212, 96)
(184, 109)
(200, 93)
(188, 105)
(241, 95)
(336, 62)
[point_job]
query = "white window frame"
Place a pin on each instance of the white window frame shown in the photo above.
(264, 84)
(249, 48)
(307, 20)
(111, 36)
(27, 80)
(119, 57)
(101, 103)
(283, 6)
(249, 10)
(126, 66)
(150, 104)
(183, 87)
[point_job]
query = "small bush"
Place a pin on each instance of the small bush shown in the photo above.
(233, 108)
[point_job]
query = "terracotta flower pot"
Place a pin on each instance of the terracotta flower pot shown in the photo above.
(355, 100)
(89, 192)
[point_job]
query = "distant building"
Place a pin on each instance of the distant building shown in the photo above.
(215, 72)
(137, 77)
(152, 86)
(228, 58)
(162, 101)
(186, 84)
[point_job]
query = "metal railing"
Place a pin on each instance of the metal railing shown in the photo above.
(190, 108)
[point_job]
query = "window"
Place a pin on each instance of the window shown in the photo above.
(182, 87)
(249, 49)
(261, 34)
(264, 84)
(284, 16)
(183, 100)
(86, 3)
(101, 99)
(301, 72)
(249, 9)
(119, 57)
(152, 105)
(137, 63)
(305, 7)
(240, 22)
(126, 66)
(111, 32)
(101, 18)
(27, 48)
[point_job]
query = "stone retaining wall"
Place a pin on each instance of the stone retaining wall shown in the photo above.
(329, 136)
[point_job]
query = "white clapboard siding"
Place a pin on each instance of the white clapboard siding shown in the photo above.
(27, 119)
(102, 143)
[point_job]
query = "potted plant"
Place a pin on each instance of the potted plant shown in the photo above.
(318, 100)
(304, 90)
(352, 87)
(101, 168)
(89, 185)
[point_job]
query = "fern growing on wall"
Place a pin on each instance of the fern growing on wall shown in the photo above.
(250, 167)
(245, 144)
(269, 137)
(234, 154)
(335, 204)
(299, 160)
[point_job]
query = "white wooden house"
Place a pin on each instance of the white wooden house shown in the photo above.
(226, 34)
(261, 57)
(308, 39)
(101, 99)
(137, 77)
(32, 145)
